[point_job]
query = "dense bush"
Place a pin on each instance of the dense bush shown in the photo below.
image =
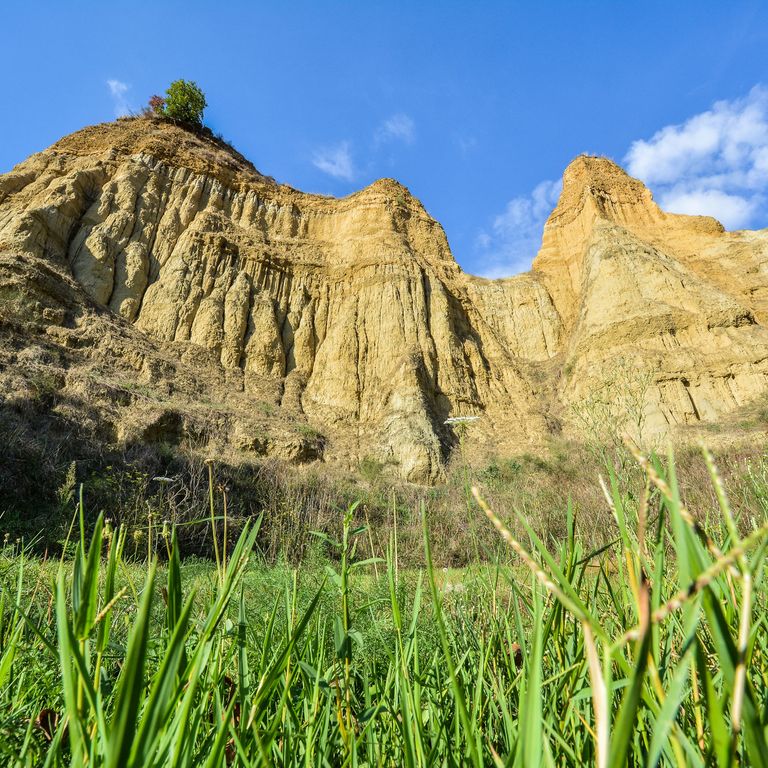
(185, 102)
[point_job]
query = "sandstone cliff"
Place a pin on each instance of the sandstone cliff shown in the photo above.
(170, 291)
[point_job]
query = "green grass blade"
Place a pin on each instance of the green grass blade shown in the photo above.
(130, 684)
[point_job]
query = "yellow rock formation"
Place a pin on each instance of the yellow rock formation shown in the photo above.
(144, 249)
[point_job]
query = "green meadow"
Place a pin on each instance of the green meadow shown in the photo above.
(649, 650)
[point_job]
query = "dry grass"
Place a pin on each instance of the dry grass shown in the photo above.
(158, 484)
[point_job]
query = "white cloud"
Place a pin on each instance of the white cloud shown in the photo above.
(118, 90)
(399, 127)
(735, 211)
(515, 235)
(715, 163)
(336, 161)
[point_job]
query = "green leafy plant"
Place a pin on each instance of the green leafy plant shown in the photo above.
(185, 102)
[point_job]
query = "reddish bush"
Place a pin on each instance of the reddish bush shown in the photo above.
(157, 105)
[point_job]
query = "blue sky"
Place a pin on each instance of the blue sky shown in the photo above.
(476, 106)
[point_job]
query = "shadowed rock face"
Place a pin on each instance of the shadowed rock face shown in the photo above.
(139, 250)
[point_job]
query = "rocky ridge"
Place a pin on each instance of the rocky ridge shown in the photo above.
(171, 292)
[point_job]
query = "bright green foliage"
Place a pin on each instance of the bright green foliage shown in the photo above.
(652, 651)
(185, 102)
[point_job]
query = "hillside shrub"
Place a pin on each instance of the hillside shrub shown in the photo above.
(185, 102)
(156, 105)
(370, 469)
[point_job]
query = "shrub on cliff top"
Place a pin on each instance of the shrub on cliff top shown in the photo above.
(156, 106)
(185, 102)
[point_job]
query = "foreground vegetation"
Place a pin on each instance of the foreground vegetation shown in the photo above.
(651, 650)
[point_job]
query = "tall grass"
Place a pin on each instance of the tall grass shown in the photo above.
(651, 651)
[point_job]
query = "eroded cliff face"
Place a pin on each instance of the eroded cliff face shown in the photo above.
(139, 255)
(676, 297)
